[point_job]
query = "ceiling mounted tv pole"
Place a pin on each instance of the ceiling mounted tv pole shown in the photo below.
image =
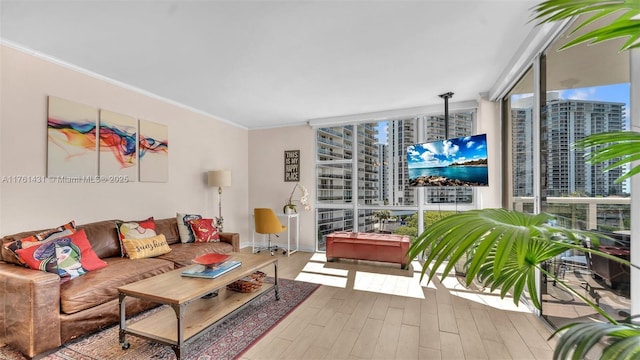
(446, 97)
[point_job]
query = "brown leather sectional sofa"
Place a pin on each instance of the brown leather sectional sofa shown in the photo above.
(38, 313)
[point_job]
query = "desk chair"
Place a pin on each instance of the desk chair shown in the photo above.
(266, 222)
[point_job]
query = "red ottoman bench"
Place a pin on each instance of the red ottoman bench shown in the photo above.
(368, 246)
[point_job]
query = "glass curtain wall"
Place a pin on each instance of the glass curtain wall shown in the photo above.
(584, 90)
(518, 133)
(363, 175)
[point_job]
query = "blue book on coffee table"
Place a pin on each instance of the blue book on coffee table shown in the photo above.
(211, 273)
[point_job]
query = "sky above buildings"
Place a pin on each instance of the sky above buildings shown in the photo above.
(611, 93)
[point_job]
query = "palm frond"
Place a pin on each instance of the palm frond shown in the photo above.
(505, 249)
(618, 147)
(626, 25)
(504, 246)
(577, 339)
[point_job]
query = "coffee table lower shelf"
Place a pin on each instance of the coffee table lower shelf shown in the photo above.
(161, 326)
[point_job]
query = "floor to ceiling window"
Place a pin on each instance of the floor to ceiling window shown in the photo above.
(363, 176)
(582, 90)
(519, 143)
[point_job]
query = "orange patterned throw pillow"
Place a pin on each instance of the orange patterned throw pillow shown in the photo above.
(204, 231)
(41, 238)
(148, 247)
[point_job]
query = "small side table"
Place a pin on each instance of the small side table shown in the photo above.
(288, 219)
(292, 222)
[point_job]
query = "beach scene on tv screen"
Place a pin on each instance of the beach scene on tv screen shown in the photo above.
(453, 162)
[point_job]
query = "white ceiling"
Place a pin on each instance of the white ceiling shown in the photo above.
(273, 63)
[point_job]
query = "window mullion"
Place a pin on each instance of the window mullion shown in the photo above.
(354, 177)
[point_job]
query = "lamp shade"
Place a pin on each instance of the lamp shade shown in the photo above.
(220, 178)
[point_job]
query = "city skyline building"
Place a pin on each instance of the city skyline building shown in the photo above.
(565, 170)
(382, 172)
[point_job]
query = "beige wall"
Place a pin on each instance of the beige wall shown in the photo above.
(197, 143)
(267, 187)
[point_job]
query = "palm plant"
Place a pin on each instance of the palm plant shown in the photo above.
(505, 248)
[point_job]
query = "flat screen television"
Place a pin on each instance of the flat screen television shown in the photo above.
(452, 162)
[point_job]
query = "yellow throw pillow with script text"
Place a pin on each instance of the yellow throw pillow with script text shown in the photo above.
(147, 247)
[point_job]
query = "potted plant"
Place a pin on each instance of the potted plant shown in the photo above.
(290, 206)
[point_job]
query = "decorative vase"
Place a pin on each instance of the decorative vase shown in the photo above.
(288, 210)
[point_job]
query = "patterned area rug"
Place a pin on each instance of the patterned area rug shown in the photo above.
(226, 340)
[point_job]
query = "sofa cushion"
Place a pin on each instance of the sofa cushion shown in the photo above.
(145, 248)
(182, 254)
(169, 228)
(103, 237)
(100, 286)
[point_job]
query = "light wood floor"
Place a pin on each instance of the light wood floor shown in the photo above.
(377, 311)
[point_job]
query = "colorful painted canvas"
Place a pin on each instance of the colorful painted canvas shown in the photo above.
(153, 149)
(118, 145)
(71, 133)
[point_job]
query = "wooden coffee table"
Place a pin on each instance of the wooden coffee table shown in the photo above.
(190, 311)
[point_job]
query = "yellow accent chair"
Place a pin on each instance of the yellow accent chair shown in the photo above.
(266, 222)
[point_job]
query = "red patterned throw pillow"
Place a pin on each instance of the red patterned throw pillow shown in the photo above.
(69, 256)
(203, 230)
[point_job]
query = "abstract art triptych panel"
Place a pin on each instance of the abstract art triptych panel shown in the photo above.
(118, 145)
(86, 142)
(72, 146)
(154, 150)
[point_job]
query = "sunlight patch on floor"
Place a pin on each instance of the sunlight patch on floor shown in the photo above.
(329, 280)
(385, 278)
(319, 257)
(388, 284)
(365, 276)
(320, 268)
(458, 288)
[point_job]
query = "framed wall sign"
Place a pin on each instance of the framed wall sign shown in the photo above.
(292, 165)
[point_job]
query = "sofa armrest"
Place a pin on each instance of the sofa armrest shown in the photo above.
(29, 309)
(231, 238)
